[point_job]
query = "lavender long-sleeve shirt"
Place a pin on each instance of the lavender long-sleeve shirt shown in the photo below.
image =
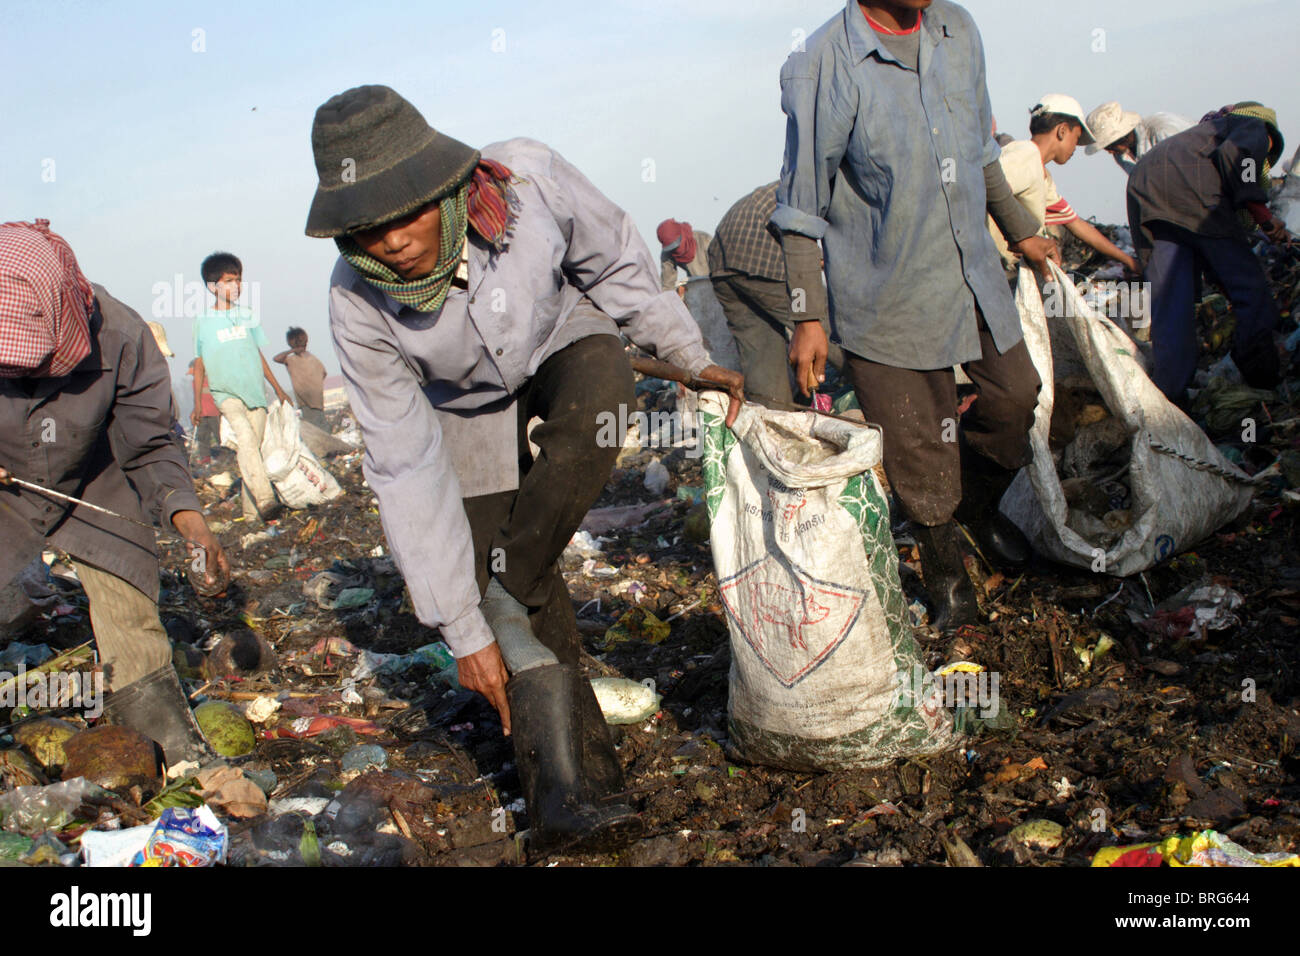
(434, 392)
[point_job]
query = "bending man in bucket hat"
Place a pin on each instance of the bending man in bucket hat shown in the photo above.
(474, 293)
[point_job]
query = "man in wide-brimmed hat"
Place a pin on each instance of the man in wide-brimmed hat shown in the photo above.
(1195, 199)
(1129, 136)
(476, 292)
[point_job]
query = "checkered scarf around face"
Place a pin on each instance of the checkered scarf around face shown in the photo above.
(485, 201)
(45, 303)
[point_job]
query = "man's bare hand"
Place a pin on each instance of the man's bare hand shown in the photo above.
(196, 416)
(1037, 250)
(4, 476)
(485, 672)
(214, 568)
(733, 383)
(808, 351)
(1276, 232)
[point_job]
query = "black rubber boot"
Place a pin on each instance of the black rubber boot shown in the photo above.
(564, 811)
(951, 593)
(599, 761)
(157, 707)
(983, 483)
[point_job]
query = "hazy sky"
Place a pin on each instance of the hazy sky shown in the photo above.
(151, 133)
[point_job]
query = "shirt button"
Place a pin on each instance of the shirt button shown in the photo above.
(471, 299)
(36, 444)
(499, 351)
(935, 131)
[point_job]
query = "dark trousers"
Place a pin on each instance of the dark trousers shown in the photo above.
(314, 416)
(917, 411)
(208, 435)
(1171, 269)
(758, 314)
(519, 535)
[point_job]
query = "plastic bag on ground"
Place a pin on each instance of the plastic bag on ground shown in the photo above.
(808, 574)
(1170, 504)
(299, 478)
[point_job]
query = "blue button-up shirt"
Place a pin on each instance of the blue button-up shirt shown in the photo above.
(885, 166)
(435, 392)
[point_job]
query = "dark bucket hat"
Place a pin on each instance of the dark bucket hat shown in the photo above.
(377, 160)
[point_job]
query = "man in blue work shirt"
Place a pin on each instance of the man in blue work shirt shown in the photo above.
(890, 162)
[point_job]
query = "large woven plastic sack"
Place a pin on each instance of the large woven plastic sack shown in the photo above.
(1182, 488)
(808, 574)
(299, 478)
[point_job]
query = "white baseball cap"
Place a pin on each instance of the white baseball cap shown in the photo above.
(1065, 106)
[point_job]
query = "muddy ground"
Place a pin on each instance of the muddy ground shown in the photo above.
(1170, 730)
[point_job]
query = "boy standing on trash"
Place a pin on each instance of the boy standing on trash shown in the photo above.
(891, 163)
(86, 411)
(227, 342)
(1056, 130)
(1197, 198)
(307, 375)
(475, 291)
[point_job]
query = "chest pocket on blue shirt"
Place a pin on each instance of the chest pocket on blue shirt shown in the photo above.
(966, 123)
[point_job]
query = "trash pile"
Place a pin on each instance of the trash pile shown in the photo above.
(1129, 711)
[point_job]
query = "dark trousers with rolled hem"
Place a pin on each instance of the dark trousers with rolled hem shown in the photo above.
(758, 314)
(917, 413)
(1171, 269)
(519, 535)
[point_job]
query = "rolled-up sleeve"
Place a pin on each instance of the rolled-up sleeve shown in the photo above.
(408, 469)
(816, 136)
(609, 261)
(140, 432)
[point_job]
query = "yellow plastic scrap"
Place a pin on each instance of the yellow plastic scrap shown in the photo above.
(637, 624)
(1203, 848)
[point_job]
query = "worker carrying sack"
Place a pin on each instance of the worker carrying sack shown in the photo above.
(1121, 479)
(825, 674)
(299, 478)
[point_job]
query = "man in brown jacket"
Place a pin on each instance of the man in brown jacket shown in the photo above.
(86, 410)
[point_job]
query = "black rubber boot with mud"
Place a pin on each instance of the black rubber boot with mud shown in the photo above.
(157, 707)
(983, 483)
(952, 596)
(565, 810)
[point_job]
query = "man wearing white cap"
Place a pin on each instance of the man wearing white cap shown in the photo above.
(1128, 136)
(1056, 128)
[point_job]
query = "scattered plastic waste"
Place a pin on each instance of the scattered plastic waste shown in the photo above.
(32, 810)
(365, 757)
(603, 520)
(637, 624)
(582, 545)
(656, 478)
(1202, 848)
(624, 701)
(184, 838)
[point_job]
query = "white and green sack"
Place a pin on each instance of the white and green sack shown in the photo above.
(821, 651)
